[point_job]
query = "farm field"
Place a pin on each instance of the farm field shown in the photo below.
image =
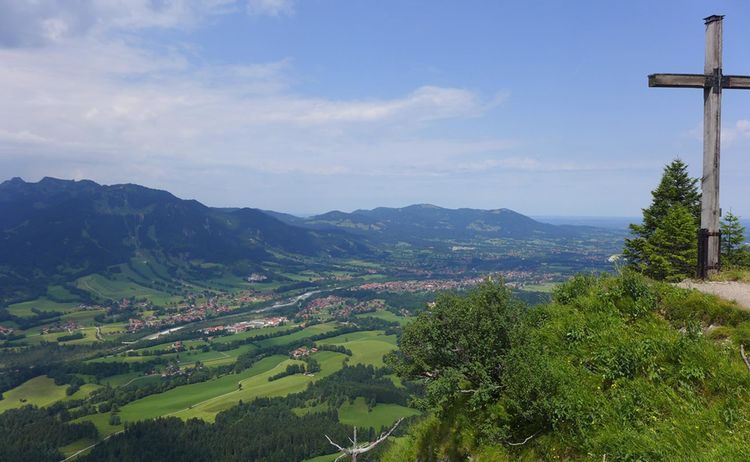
(301, 335)
(23, 309)
(39, 391)
(368, 347)
(180, 398)
(258, 386)
(119, 288)
(385, 315)
(382, 415)
(252, 334)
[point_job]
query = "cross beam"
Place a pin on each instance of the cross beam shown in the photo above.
(712, 81)
(741, 82)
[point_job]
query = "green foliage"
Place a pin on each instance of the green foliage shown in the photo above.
(664, 245)
(30, 433)
(734, 251)
(671, 249)
(614, 366)
(458, 346)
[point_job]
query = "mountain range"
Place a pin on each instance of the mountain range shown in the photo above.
(57, 230)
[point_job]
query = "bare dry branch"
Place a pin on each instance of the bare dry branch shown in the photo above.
(524, 441)
(356, 449)
(334, 444)
(744, 356)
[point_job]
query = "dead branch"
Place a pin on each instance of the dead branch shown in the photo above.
(524, 441)
(357, 449)
(744, 356)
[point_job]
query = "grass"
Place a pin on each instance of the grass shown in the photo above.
(131, 377)
(385, 315)
(326, 458)
(181, 398)
(259, 386)
(85, 390)
(76, 446)
(101, 422)
(368, 347)
(382, 415)
(119, 287)
(23, 309)
(210, 358)
(303, 334)
(40, 391)
(732, 274)
(251, 334)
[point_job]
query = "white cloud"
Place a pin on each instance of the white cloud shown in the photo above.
(270, 7)
(25, 23)
(740, 130)
(108, 105)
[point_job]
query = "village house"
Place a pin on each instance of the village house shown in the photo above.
(302, 352)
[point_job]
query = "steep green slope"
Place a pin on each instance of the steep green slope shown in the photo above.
(616, 369)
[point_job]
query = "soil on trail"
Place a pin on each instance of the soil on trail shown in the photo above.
(728, 290)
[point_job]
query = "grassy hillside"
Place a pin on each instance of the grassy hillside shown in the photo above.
(620, 369)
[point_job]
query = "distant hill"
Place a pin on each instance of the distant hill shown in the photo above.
(426, 222)
(55, 231)
(60, 229)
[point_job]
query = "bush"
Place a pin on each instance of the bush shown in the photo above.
(615, 366)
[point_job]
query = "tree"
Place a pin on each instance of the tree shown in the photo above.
(671, 249)
(676, 188)
(457, 349)
(734, 251)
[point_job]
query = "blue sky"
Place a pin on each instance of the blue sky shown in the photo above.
(311, 105)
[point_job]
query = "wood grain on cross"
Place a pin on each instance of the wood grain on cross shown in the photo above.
(712, 81)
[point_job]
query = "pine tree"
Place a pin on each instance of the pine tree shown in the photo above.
(734, 251)
(676, 189)
(671, 250)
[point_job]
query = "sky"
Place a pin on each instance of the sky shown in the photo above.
(306, 106)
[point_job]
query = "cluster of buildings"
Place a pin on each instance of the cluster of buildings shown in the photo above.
(427, 285)
(68, 327)
(243, 326)
(338, 307)
(512, 278)
(302, 352)
(189, 314)
(6, 330)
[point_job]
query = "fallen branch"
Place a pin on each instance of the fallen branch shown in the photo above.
(524, 441)
(744, 357)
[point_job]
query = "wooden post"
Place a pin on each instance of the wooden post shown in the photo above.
(712, 81)
(710, 211)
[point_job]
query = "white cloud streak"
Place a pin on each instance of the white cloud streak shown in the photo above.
(270, 7)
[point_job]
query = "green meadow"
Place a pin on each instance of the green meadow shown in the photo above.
(23, 309)
(385, 315)
(301, 335)
(368, 347)
(252, 333)
(41, 391)
(258, 386)
(382, 415)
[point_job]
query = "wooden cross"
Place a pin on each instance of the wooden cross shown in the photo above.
(712, 81)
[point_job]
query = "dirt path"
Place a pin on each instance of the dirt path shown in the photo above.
(728, 290)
